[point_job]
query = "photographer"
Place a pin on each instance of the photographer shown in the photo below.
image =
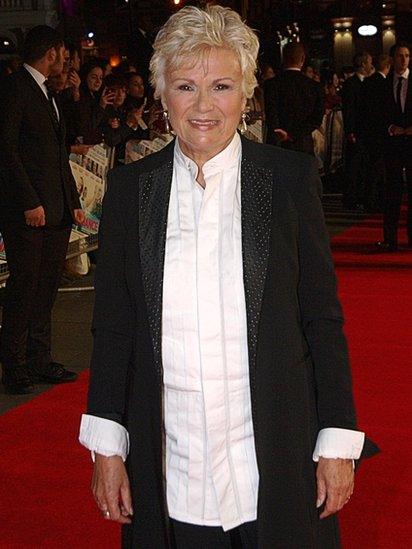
(124, 120)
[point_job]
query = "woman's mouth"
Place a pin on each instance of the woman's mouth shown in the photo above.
(202, 124)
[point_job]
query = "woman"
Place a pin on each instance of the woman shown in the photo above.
(90, 109)
(124, 121)
(135, 85)
(219, 367)
(331, 87)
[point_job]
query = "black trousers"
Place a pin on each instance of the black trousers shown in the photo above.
(190, 536)
(398, 171)
(35, 258)
(356, 161)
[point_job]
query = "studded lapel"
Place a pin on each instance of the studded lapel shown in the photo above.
(256, 196)
(154, 193)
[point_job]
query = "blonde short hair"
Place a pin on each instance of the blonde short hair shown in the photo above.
(192, 32)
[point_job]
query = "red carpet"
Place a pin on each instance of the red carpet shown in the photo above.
(45, 500)
(376, 292)
(45, 475)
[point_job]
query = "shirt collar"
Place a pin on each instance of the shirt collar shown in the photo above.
(38, 76)
(227, 158)
(405, 74)
(382, 73)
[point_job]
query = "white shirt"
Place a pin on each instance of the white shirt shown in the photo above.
(404, 88)
(211, 470)
(41, 79)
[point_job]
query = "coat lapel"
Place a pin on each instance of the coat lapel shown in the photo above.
(45, 102)
(154, 193)
(256, 197)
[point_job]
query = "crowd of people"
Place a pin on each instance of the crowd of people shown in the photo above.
(358, 126)
(341, 118)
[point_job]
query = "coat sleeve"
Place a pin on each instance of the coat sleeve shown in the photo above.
(114, 137)
(271, 110)
(349, 107)
(314, 120)
(113, 322)
(321, 313)
(75, 199)
(19, 188)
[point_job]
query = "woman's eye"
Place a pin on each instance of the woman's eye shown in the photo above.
(220, 87)
(185, 87)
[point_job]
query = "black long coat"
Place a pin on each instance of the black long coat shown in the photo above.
(299, 374)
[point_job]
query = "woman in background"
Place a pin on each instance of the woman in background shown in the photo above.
(94, 98)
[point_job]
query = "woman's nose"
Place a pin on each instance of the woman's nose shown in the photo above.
(204, 101)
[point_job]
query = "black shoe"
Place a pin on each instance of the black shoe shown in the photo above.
(17, 382)
(353, 206)
(52, 373)
(386, 247)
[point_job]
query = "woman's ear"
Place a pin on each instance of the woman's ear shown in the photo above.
(244, 102)
(52, 55)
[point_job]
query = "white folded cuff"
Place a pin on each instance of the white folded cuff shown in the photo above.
(335, 443)
(104, 436)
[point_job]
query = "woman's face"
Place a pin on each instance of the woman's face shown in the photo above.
(95, 79)
(335, 80)
(309, 71)
(136, 87)
(205, 101)
(119, 97)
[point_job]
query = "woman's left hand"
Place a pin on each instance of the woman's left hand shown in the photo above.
(111, 489)
(335, 478)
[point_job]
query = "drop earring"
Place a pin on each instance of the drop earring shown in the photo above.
(243, 128)
(166, 121)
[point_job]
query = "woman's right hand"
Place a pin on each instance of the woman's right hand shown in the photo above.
(111, 489)
(107, 98)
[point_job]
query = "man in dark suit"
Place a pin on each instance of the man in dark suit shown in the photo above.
(375, 133)
(38, 204)
(397, 113)
(140, 47)
(294, 104)
(353, 122)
